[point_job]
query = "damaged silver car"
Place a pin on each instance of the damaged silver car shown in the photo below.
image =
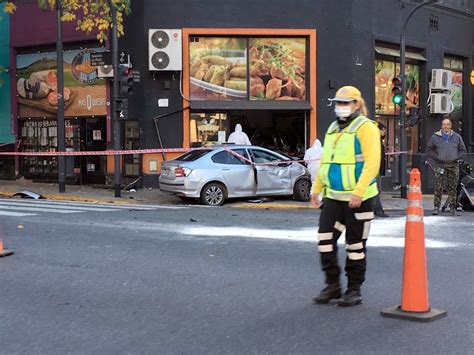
(216, 174)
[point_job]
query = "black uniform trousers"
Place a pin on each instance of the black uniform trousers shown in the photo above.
(337, 217)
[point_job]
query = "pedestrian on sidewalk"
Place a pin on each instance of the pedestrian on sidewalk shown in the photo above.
(445, 148)
(379, 211)
(239, 136)
(347, 179)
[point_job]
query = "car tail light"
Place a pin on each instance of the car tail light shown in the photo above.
(181, 172)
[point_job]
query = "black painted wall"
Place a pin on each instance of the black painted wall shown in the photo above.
(346, 33)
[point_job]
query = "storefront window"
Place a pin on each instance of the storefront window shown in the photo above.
(42, 136)
(208, 128)
(456, 66)
(277, 68)
(385, 71)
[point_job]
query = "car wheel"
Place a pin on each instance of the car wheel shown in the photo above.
(213, 194)
(302, 190)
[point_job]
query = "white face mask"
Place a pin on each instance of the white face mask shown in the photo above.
(343, 111)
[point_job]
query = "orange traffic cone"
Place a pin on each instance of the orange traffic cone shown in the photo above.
(4, 252)
(415, 304)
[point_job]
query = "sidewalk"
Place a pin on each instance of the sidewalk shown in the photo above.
(87, 193)
(390, 201)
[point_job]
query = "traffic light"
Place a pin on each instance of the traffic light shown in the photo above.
(413, 116)
(397, 90)
(121, 107)
(126, 81)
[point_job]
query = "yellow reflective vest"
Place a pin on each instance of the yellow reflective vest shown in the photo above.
(343, 162)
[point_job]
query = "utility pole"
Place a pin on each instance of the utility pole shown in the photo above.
(403, 132)
(60, 93)
(115, 92)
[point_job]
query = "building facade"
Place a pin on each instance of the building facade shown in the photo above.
(268, 66)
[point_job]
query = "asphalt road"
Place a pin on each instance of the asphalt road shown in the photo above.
(213, 281)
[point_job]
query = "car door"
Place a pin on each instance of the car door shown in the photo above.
(272, 179)
(238, 174)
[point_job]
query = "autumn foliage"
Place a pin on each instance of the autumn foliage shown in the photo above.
(89, 15)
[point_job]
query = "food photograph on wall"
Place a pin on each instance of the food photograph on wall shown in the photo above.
(218, 68)
(247, 68)
(84, 93)
(277, 68)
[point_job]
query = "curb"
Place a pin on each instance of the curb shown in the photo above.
(75, 198)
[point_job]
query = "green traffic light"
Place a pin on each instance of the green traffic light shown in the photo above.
(397, 99)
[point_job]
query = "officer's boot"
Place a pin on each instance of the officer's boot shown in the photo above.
(330, 292)
(435, 211)
(350, 298)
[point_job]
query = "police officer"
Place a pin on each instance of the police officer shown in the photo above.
(446, 147)
(347, 179)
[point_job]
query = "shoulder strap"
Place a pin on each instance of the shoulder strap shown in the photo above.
(333, 127)
(359, 121)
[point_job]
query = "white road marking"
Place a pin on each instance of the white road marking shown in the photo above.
(85, 204)
(302, 235)
(42, 209)
(63, 207)
(384, 233)
(16, 214)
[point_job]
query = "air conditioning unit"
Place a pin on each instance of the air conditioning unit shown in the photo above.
(441, 79)
(164, 50)
(105, 71)
(440, 103)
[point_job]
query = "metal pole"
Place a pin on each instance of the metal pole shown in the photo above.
(115, 92)
(60, 115)
(403, 132)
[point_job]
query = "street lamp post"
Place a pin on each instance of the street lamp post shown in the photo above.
(403, 132)
(60, 93)
(115, 92)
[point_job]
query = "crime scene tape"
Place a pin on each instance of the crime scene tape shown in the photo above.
(155, 151)
(101, 152)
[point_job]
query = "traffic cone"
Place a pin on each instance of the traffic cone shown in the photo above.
(415, 304)
(4, 252)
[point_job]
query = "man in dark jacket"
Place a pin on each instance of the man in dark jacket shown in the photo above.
(445, 148)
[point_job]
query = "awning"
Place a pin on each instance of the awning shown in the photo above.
(396, 53)
(278, 105)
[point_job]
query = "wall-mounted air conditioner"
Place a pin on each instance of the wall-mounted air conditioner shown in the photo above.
(441, 79)
(164, 49)
(105, 71)
(441, 103)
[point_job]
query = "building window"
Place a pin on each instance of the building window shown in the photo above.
(208, 128)
(385, 71)
(456, 66)
(386, 112)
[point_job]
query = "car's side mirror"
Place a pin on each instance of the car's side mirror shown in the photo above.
(284, 163)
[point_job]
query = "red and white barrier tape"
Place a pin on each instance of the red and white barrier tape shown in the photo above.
(149, 151)
(102, 152)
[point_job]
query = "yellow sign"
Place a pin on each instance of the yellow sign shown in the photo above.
(472, 77)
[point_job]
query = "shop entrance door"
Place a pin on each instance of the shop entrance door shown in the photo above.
(94, 140)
